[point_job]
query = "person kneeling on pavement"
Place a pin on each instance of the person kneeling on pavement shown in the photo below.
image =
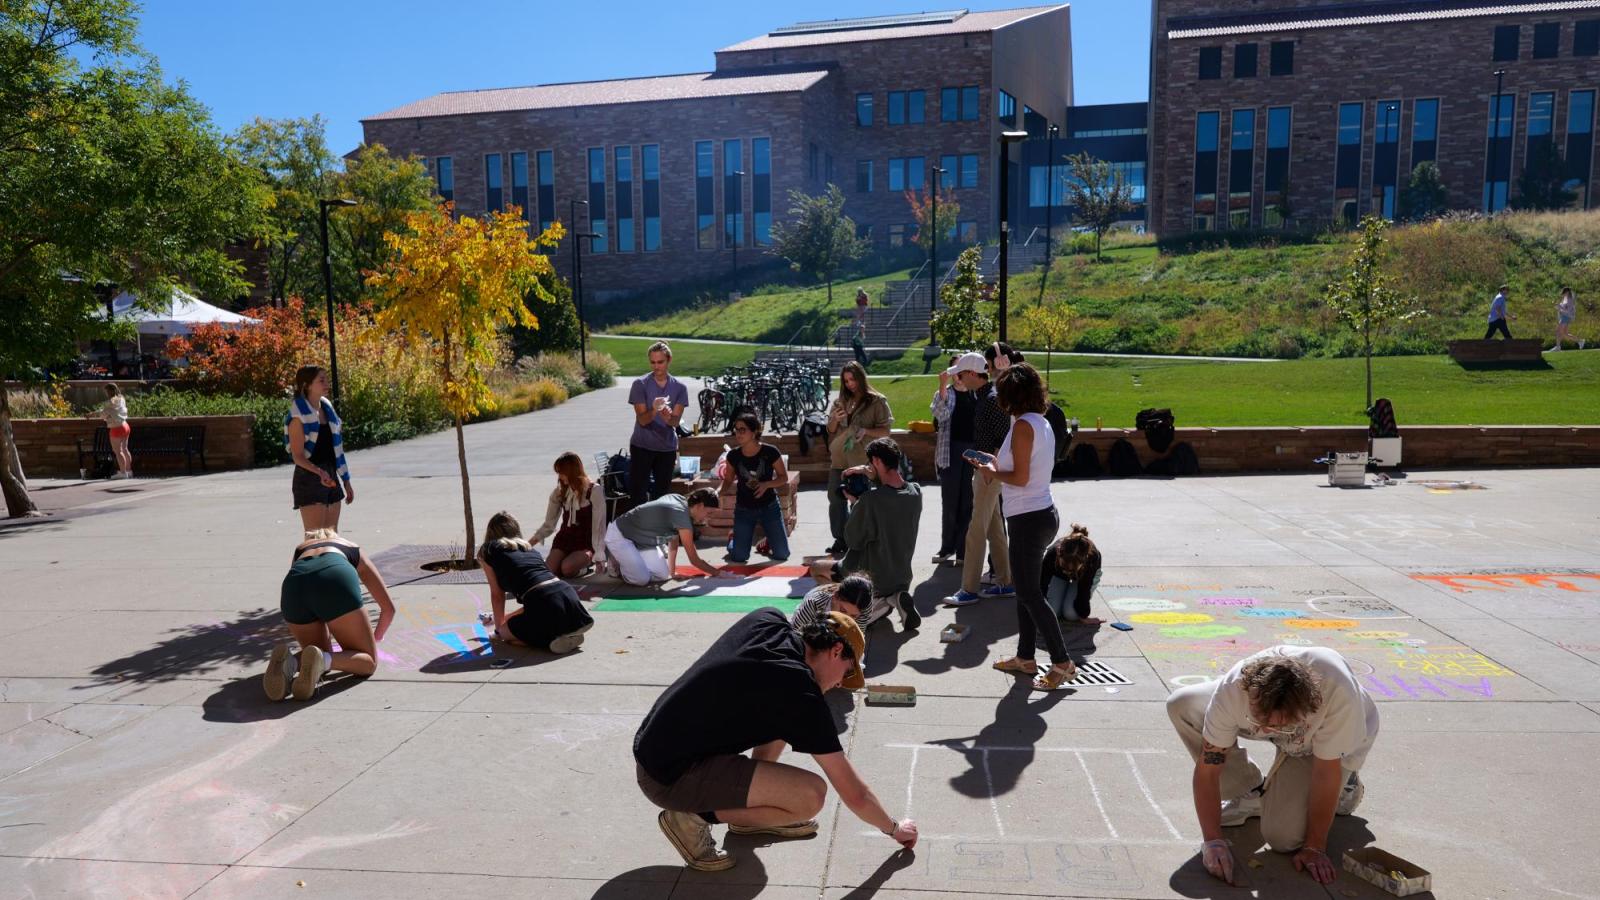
(643, 542)
(759, 686)
(549, 615)
(881, 533)
(852, 596)
(1307, 702)
(1070, 573)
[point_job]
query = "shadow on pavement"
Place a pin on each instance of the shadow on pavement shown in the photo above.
(639, 884)
(1276, 875)
(201, 649)
(242, 700)
(1018, 725)
(880, 876)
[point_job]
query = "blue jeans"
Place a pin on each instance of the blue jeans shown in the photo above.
(770, 518)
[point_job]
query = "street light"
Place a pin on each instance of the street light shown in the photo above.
(738, 223)
(1007, 138)
(577, 277)
(933, 239)
(327, 285)
(1494, 137)
(1049, 204)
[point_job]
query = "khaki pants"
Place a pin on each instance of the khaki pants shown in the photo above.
(986, 526)
(1286, 799)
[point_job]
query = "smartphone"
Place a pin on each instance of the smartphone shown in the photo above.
(978, 456)
(1122, 626)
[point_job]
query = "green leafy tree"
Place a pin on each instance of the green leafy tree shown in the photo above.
(386, 189)
(921, 203)
(556, 314)
(112, 179)
(1364, 298)
(1424, 193)
(1543, 182)
(818, 239)
(293, 155)
(1049, 327)
(1099, 194)
(963, 322)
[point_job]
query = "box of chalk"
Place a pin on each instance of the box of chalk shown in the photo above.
(891, 695)
(1395, 875)
(954, 633)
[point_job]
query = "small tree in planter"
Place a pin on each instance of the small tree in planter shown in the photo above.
(963, 323)
(447, 290)
(1364, 298)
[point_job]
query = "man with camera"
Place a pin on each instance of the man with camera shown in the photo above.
(880, 534)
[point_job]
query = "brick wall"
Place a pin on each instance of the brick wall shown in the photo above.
(49, 448)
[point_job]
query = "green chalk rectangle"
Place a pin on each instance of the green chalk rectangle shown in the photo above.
(714, 603)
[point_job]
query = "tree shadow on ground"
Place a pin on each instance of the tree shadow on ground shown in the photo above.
(242, 700)
(198, 650)
(1018, 725)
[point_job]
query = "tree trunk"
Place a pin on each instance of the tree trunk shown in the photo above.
(830, 291)
(466, 492)
(1368, 336)
(1097, 234)
(12, 481)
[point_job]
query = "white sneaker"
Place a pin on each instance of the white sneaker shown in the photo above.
(1240, 809)
(1351, 796)
(280, 672)
(313, 663)
(567, 643)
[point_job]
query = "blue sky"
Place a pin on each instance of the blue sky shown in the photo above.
(351, 58)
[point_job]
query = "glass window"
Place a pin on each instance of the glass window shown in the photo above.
(1424, 131)
(597, 199)
(1586, 38)
(915, 175)
(493, 183)
(1541, 110)
(1276, 182)
(969, 170)
(897, 235)
(864, 110)
(1241, 167)
(916, 107)
(952, 171)
(969, 104)
(1006, 109)
(1033, 123)
(1546, 40)
(705, 195)
(650, 174)
(1206, 125)
(733, 193)
(622, 159)
(1210, 63)
(1347, 164)
(950, 104)
(547, 189)
(1507, 42)
(1497, 166)
(1580, 142)
(519, 183)
(897, 174)
(863, 176)
(444, 174)
(1282, 58)
(1386, 157)
(897, 108)
(1244, 60)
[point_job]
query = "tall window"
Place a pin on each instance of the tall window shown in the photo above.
(1210, 63)
(1006, 109)
(1279, 119)
(761, 190)
(623, 160)
(863, 176)
(1347, 165)
(1241, 167)
(1580, 142)
(1244, 60)
(1282, 58)
(493, 183)
(650, 172)
(705, 195)
(906, 173)
(1206, 125)
(1507, 42)
(864, 110)
(1386, 158)
(1546, 40)
(951, 176)
(597, 199)
(950, 104)
(1586, 38)
(1541, 120)
(1424, 131)
(733, 193)
(547, 188)
(519, 184)
(969, 103)
(444, 175)
(1497, 164)
(969, 170)
(907, 107)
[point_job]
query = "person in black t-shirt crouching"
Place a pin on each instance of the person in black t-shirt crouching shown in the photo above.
(756, 689)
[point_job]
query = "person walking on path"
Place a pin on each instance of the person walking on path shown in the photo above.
(321, 596)
(658, 403)
(881, 534)
(579, 505)
(115, 414)
(550, 615)
(859, 415)
(986, 529)
(759, 687)
(954, 407)
(313, 435)
(1307, 702)
(1023, 469)
(1566, 311)
(756, 474)
(643, 542)
(1497, 314)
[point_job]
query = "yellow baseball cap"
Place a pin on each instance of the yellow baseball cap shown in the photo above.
(846, 627)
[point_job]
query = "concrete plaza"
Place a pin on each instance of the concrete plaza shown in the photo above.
(139, 758)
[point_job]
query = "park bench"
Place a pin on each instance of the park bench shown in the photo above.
(146, 442)
(1497, 351)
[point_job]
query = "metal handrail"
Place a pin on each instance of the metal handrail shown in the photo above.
(1031, 235)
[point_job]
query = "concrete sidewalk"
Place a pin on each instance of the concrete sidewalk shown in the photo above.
(138, 756)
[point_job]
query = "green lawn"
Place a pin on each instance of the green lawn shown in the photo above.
(1426, 390)
(688, 357)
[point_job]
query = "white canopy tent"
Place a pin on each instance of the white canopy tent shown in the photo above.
(178, 315)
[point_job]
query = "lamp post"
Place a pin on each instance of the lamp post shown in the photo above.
(327, 286)
(738, 223)
(933, 238)
(1007, 138)
(1049, 203)
(1494, 138)
(577, 276)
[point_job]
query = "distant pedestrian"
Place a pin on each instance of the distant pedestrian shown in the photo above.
(550, 615)
(1497, 314)
(858, 416)
(1566, 311)
(756, 476)
(313, 435)
(321, 597)
(862, 303)
(658, 403)
(579, 504)
(115, 414)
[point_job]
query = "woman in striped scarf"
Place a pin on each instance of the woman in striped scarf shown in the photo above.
(312, 435)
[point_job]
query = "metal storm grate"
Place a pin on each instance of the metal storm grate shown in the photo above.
(1099, 673)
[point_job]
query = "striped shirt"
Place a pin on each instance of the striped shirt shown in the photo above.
(817, 604)
(311, 425)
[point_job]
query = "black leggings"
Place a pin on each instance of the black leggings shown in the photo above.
(1031, 535)
(650, 473)
(1497, 325)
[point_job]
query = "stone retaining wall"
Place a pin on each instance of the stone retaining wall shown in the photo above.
(49, 446)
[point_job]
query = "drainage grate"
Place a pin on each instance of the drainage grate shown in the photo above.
(1099, 673)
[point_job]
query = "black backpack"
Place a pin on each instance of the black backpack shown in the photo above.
(1085, 461)
(1123, 460)
(615, 477)
(814, 427)
(1157, 425)
(1183, 461)
(1058, 427)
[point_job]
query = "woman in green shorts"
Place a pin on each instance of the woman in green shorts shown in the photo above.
(322, 596)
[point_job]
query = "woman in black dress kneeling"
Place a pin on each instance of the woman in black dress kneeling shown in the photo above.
(551, 617)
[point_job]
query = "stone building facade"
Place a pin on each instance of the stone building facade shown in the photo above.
(871, 105)
(1321, 110)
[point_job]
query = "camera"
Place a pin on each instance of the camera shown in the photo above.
(855, 485)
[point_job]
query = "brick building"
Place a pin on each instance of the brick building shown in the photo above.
(681, 172)
(1332, 104)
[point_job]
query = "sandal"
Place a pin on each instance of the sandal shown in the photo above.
(1016, 666)
(1055, 677)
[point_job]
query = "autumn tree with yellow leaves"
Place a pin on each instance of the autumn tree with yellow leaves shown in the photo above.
(449, 287)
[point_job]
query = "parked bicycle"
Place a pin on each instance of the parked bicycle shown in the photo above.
(780, 393)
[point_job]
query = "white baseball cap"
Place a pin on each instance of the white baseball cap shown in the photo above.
(968, 362)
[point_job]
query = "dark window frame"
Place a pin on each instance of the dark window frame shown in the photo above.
(1546, 40)
(1586, 37)
(1210, 64)
(1245, 59)
(1281, 62)
(864, 104)
(1507, 43)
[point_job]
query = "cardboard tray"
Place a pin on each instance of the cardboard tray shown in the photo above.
(1373, 865)
(891, 695)
(954, 633)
